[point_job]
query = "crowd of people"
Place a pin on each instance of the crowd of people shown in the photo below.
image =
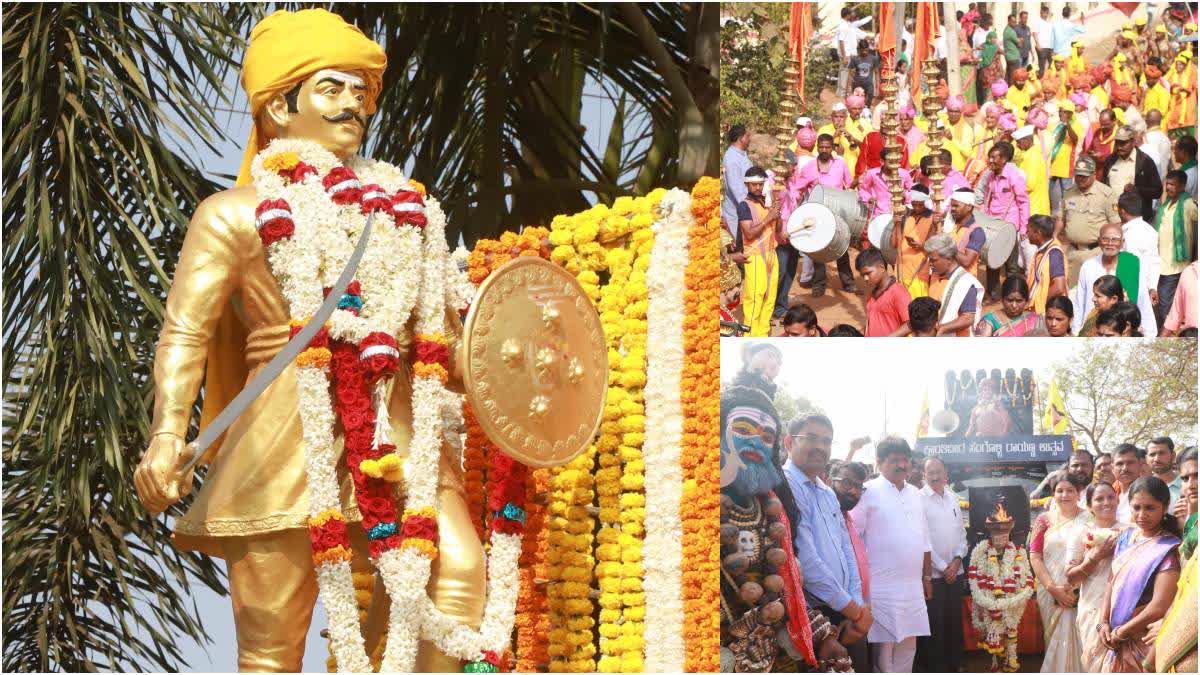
(1092, 163)
(884, 552)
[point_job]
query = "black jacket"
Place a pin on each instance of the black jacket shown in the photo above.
(1145, 180)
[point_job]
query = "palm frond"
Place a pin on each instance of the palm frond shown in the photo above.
(98, 99)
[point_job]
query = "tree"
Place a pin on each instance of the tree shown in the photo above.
(104, 105)
(1131, 393)
(792, 407)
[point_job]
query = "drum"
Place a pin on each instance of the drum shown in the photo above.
(1001, 239)
(815, 231)
(844, 204)
(879, 233)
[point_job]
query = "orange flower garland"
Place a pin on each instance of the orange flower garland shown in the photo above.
(476, 455)
(699, 456)
(490, 254)
(533, 623)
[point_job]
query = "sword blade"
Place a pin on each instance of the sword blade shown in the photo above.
(285, 356)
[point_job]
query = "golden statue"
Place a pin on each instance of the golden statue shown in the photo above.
(311, 80)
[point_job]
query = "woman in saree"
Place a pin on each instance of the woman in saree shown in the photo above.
(1107, 291)
(1049, 541)
(1175, 643)
(1089, 568)
(1145, 577)
(1013, 319)
(990, 68)
(966, 67)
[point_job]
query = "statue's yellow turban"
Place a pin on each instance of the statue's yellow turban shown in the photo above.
(287, 47)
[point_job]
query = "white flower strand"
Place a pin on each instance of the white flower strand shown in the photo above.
(662, 558)
(335, 583)
(323, 239)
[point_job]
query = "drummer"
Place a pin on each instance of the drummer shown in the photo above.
(761, 231)
(1002, 192)
(909, 241)
(967, 235)
(830, 171)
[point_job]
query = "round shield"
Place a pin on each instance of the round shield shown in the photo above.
(535, 362)
(816, 231)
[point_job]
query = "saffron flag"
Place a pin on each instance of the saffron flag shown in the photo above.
(1055, 420)
(800, 32)
(886, 41)
(925, 32)
(923, 420)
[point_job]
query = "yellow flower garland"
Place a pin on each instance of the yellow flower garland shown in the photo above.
(617, 240)
(569, 566)
(699, 456)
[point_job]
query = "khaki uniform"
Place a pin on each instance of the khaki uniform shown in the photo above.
(1085, 214)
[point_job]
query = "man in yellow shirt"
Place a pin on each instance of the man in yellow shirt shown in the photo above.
(847, 135)
(1063, 142)
(1157, 97)
(1037, 178)
(1020, 94)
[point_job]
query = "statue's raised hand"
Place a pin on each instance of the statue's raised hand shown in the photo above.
(162, 477)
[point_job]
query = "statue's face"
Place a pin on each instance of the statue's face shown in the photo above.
(749, 440)
(331, 111)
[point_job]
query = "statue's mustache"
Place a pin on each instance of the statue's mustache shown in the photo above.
(347, 115)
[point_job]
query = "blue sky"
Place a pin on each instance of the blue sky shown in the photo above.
(216, 611)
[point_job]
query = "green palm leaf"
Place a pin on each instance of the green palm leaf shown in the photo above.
(98, 187)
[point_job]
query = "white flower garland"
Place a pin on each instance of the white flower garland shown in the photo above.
(1010, 605)
(460, 292)
(662, 551)
(304, 264)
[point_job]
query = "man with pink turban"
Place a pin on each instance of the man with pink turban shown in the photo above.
(913, 135)
(854, 105)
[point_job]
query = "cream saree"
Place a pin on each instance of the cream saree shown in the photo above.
(1091, 596)
(1063, 645)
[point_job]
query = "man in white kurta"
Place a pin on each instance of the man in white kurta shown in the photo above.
(1112, 240)
(890, 518)
(1141, 239)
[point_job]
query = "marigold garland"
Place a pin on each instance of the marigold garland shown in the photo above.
(533, 622)
(699, 454)
(569, 568)
(475, 458)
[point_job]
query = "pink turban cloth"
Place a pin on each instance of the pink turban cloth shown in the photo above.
(1079, 100)
(806, 138)
(908, 111)
(855, 101)
(955, 103)
(1008, 122)
(999, 88)
(1038, 118)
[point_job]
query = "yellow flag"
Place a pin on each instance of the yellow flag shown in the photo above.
(923, 420)
(1055, 421)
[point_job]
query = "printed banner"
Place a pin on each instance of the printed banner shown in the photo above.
(1023, 448)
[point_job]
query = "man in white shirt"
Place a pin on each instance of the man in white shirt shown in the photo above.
(848, 35)
(1127, 465)
(1043, 38)
(941, 652)
(1141, 239)
(890, 518)
(1156, 144)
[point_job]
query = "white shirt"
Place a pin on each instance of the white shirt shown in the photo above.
(1158, 146)
(1141, 239)
(1124, 513)
(1191, 181)
(892, 525)
(849, 34)
(939, 47)
(1081, 297)
(1043, 30)
(979, 38)
(947, 534)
